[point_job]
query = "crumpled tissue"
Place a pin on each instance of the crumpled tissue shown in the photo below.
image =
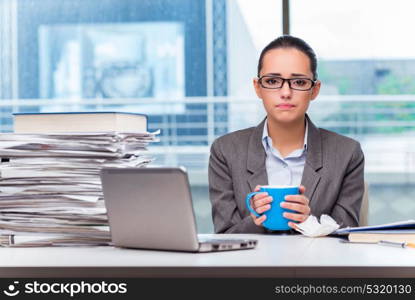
(313, 228)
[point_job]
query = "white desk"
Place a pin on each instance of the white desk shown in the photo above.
(275, 256)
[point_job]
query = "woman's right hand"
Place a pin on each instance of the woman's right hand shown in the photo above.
(260, 203)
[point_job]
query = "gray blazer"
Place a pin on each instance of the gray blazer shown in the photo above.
(333, 177)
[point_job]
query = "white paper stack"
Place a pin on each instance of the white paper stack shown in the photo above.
(50, 190)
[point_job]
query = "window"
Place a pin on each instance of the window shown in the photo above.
(367, 66)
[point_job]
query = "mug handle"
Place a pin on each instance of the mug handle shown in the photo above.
(248, 203)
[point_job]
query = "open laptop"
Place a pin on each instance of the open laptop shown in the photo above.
(152, 208)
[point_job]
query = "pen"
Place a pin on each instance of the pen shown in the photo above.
(396, 244)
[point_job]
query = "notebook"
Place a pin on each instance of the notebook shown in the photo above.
(408, 224)
(403, 231)
(151, 208)
(403, 236)
(100, 121)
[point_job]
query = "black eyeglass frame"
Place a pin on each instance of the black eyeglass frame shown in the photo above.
(313, 82)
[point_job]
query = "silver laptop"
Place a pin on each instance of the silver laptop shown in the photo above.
(151, 208)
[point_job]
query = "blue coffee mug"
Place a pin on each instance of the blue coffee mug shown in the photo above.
(275, 220)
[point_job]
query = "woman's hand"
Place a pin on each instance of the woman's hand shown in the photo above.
(260, 203)
(298, 203)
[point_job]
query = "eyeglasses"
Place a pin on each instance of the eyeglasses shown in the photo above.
(275, 82)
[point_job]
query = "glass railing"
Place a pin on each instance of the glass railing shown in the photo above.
(383, 124)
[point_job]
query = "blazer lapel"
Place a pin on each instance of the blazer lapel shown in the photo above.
(256, 159)
(314, 160)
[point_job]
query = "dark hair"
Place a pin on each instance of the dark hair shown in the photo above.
(288, 41)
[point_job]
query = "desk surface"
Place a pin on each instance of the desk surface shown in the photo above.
(275, 256)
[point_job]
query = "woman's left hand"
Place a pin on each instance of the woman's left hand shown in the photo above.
(298, 203)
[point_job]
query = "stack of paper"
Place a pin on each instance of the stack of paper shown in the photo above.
(50, 190)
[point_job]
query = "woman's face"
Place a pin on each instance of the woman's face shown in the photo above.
(286, 105)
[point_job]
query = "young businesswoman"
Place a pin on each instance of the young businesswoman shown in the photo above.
(286, 148)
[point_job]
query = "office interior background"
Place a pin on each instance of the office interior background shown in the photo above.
(189, 65)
